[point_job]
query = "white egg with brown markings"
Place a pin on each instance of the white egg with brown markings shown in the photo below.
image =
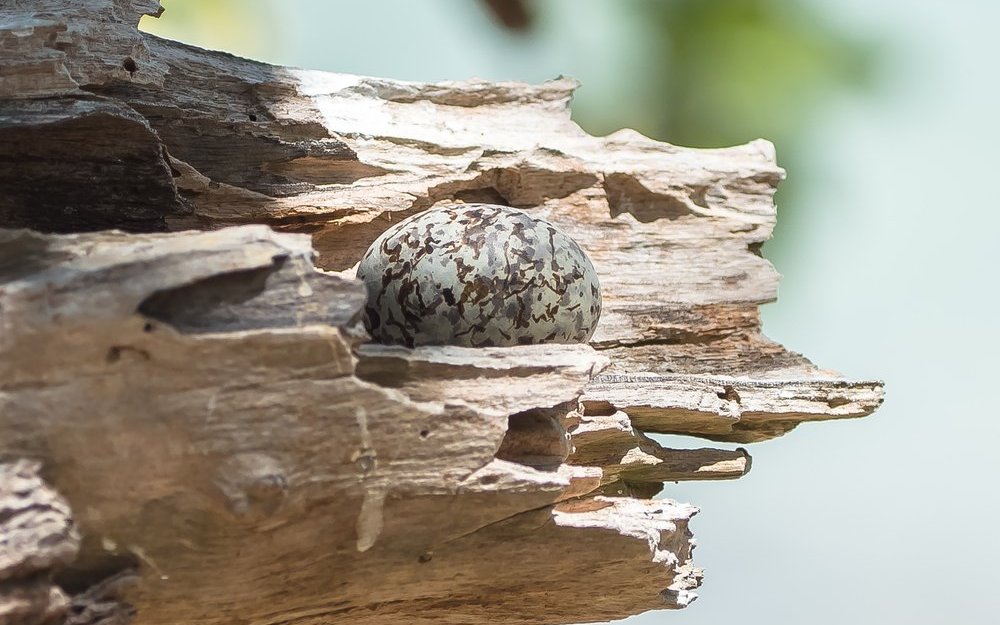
(478, 275)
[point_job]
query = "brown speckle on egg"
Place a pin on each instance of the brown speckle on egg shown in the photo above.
(478, 275)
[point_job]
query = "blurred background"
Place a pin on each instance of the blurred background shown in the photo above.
(885, 116)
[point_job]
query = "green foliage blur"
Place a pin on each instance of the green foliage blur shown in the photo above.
(735, 70)
(239, 27)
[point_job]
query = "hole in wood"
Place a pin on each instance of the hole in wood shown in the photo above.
(729, 394)
(535, 438)
(627, 195)
(484, 195)
(225, 301)
(117, 352)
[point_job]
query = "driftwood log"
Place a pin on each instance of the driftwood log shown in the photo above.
(193, 428)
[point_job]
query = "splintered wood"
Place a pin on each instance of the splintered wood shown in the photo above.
(197, 386)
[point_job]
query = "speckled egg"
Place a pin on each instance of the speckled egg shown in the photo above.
(478, 275)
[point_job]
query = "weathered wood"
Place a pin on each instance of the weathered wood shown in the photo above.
(234, 427)
(205, 400)
(37, 538)
(740, 409)
(342, 157)
(636, 458)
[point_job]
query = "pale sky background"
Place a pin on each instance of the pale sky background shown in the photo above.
(890, 270)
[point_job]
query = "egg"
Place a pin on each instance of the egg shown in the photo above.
(478, 275)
